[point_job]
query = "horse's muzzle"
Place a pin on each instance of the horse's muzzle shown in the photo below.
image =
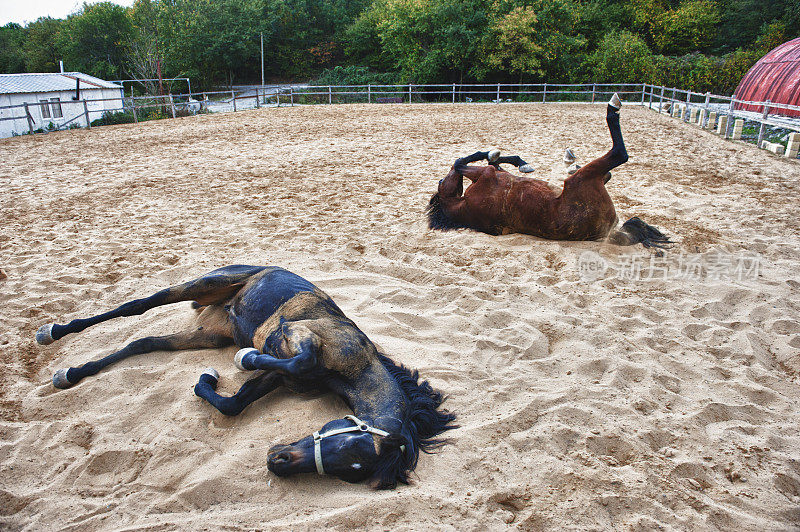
(283, 459)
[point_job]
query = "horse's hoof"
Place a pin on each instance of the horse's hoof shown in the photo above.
(615, 102)
(526, 169)
(44, 336)
(569, 157)
(211, 372)
(240, 354)
(60, 379)
(493, 155)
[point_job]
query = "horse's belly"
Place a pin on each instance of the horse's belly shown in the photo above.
(586, 222)
(257, 310)
(529, 210)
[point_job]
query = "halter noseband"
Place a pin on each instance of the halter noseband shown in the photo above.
(360, 426)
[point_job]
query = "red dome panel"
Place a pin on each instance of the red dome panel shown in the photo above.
(775, 77)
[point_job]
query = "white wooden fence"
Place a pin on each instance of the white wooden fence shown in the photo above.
(691, 106)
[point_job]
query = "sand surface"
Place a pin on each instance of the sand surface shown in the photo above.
(607, 403)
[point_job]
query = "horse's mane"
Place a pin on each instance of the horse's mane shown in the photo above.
(423, 423)
(438, 219)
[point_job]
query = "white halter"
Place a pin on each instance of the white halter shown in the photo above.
(360, 426)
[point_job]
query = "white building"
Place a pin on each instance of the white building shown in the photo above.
(53, 100)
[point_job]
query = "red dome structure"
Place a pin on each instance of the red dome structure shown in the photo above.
(775, 77)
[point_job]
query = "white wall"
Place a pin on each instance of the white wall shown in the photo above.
(69, 108)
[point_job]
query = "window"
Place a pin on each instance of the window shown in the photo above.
(44, 108)
(55, 103)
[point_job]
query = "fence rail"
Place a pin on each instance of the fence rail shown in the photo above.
(691, 106)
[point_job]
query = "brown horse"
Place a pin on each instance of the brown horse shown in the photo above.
(498, 202)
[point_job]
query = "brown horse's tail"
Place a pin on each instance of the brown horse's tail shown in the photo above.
(437, 218)
(635, 231)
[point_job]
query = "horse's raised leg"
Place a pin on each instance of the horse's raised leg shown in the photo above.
(303, 345)
(516, 161)
(616, 156)
(494, 158)
(198, 338)
(213, 287)
(252, 390)
(461, 162)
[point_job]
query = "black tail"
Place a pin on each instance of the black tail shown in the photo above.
(635, 231)
(437, 218)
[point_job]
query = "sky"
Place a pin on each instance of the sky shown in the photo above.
(23, 11)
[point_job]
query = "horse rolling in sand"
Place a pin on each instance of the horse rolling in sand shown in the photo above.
(498, 202)
(293, 331)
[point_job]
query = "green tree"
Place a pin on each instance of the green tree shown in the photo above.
(12, 54)
(742, 21)
(209, 40)
(690, 27)
(143, 47)
(429, 40)
(42, 52)
(512, 44)
(94, 40)
(597, 18)
(362, 43)
(621, 58)
(538, 40)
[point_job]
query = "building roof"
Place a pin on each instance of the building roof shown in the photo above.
(775, 77)
(48, 82)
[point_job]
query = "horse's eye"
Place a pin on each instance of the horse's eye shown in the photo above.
(356, 466)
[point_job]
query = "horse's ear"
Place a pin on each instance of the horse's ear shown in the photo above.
(392, 466)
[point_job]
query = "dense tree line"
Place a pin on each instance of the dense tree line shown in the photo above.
(701, 44)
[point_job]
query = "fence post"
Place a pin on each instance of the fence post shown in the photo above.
(661, 100)
(764, 114)
(688, 103)
(454, 93)
(258, 98)
(278, 97)
(544, 93)
(133, 108)
(498, 93)
(172, 104)
(730, 115)
(330, 95)
(291, 95)
(29, 118)
(643, 86)
(652, 90)
(594, 91)
(409, 93)
(233, 99)
(369, 93)
(86, 112)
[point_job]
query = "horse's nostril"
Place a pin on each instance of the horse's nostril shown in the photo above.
(281, 457)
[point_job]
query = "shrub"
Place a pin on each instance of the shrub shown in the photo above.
(621, 58)
(353, 75)
(110, 118)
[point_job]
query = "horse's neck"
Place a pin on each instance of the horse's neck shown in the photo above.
(375, 394)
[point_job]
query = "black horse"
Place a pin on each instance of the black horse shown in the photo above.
(296, 333)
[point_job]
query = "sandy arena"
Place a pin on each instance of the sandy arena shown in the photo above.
(587, 399)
